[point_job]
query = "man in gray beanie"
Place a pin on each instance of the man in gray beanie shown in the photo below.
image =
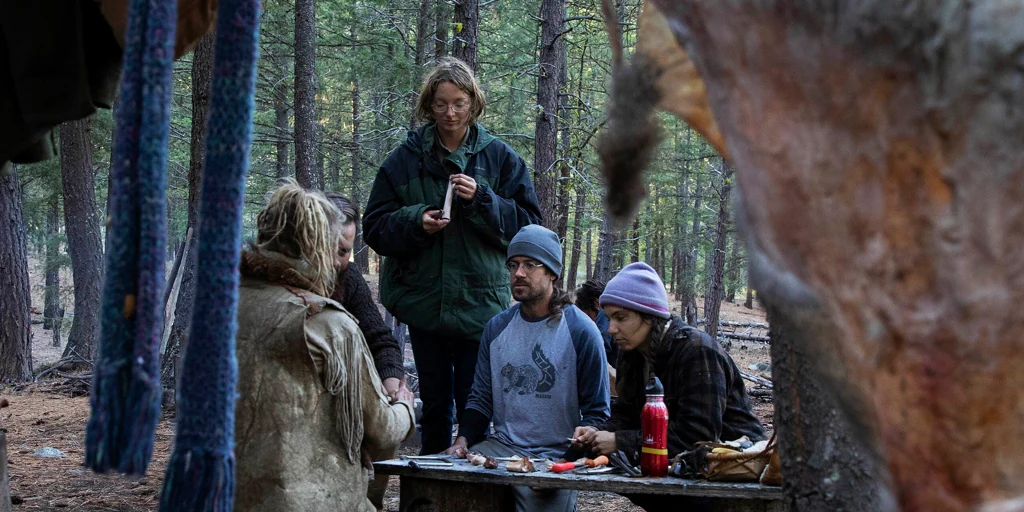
(541, 370)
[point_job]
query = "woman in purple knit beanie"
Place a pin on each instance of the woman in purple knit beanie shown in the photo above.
(704, 391)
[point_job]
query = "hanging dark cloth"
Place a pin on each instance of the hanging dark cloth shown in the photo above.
(59, 61)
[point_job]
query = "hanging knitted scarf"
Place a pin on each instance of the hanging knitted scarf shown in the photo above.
(126, 390)
(200, 473)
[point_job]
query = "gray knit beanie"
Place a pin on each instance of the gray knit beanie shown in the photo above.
(540, 243)
(637, 287)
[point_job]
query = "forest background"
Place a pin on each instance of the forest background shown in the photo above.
(336, 84)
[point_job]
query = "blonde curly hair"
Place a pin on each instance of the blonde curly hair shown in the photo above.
(305, 225)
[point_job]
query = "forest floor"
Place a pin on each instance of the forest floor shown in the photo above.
(53, 414)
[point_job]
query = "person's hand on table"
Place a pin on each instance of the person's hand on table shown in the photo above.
(601, 442)
(578, 434)
(459, 448)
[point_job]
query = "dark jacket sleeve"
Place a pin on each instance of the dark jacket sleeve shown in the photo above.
(503, 211)
(625, 423)
(358, 300)
(389, 227)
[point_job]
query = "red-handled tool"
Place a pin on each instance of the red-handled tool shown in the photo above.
(562, 467)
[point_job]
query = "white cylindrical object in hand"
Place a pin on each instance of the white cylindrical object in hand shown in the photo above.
(446, 213)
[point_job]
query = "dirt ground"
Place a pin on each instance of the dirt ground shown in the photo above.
(54, 413)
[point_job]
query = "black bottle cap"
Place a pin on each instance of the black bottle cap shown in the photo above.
(654, 387)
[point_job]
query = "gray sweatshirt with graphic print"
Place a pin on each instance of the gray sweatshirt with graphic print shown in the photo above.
(538, 378)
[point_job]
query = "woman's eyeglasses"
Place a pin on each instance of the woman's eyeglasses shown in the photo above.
(458, 108)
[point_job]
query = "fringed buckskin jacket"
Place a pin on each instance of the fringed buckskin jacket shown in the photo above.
(310, 401)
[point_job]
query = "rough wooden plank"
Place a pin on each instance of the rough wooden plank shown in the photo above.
(463, 471)
(5, 483)
(428, 495)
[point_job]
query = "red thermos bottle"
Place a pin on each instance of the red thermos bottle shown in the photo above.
(654, 429)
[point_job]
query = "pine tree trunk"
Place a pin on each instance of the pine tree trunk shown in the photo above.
(689, 289)
(577, 237)
(15, 301)
(564, 173)
(635, 253)
(605, 264)
(825, 466)
(440, 29)
(590, 259)
(423, 36)
(749, 303)
(467, 22)
(360, 248)
(305, 95)
(732, 275)
(282, 129)
(552, 14)
(82, 225)
(202, 69)
(716, 289)
(51, 296)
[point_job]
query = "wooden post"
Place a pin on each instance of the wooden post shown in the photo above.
(5, 483)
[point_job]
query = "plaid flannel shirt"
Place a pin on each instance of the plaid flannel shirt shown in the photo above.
(704, 393)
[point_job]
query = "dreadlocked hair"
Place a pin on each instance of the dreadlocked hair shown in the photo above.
(302, 224)
(634, 368)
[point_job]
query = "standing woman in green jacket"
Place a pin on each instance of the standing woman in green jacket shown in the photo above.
(446, 277)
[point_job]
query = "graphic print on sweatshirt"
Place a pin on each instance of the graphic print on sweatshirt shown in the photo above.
(538, 377)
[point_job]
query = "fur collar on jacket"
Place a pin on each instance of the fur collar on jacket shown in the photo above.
(277, 268)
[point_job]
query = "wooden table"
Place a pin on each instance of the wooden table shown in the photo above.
(465, 487)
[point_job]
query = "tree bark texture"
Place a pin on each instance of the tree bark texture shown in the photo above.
(440, 29)
(552, 14)
(85, 245)
(590, 248)
(716, 278)
(423, 36)
(467, 25)
(604, 266)
(877, 146)
(825, 466)
(359, 247)
(733, 266)
(689, 292)
(15, 301)
(305, 95)
(749, 302)
(202, 75)
(282, 129)
(577, 237)
(52, 312)
(564, 173)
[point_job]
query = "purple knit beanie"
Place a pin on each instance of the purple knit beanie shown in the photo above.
(637, 287)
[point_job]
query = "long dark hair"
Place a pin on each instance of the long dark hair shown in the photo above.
(348, 209)
(588, 293)
(634, 368)
(559, 299)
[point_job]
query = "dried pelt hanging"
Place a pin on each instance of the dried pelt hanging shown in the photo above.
(626, 145)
